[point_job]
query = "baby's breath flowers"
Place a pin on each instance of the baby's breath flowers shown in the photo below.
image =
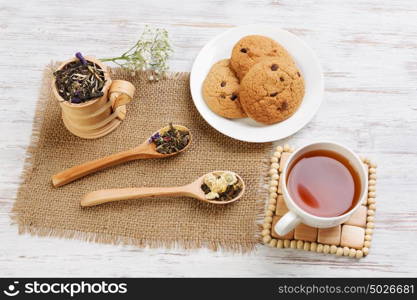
(150, 54)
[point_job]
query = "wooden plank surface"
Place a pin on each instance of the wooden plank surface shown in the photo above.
(368, 50)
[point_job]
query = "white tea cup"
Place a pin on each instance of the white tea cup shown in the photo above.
(296, 214)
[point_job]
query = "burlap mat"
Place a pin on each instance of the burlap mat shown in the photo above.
(43, 210)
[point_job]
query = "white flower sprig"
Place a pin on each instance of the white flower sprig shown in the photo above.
(150, 53)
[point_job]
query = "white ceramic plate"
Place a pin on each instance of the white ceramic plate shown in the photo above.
(246, 129)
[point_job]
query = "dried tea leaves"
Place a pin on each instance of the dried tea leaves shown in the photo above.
(221, 186)
(80, 80)
(171, 141)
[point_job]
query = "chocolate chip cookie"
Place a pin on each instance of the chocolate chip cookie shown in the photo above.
(251, 49)
(272, 90)
(221, 91)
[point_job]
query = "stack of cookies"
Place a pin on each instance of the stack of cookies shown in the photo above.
(260, 81)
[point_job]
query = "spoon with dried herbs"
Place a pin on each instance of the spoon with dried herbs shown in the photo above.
(167, 141)
(218, 187)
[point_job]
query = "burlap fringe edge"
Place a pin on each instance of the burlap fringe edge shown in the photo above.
(144, 75)
(263, 193)
(34, 140)
(104, 238)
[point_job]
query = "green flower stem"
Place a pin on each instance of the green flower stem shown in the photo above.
(113, 59)
(150, 53)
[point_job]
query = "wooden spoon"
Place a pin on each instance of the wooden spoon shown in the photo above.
(143, 151)
(192, 190)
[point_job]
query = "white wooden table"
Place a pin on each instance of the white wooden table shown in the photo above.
(368, 50)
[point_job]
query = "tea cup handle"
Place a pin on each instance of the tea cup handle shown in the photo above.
(121, 93)
(287, 223)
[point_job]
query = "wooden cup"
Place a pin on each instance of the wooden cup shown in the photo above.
(97, 117)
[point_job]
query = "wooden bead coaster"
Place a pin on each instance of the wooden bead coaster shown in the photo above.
(352, 238)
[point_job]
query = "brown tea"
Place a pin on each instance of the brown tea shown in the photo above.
(323, 183)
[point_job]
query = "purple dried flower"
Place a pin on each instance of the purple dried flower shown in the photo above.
(154, 137)
(81, 58)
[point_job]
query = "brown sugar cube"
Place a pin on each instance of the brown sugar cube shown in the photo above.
(280, 185)
(281, 208)
(358, 218)
(283, 160)
(352, 236)
(288, 236)
(330, 236)
(305, 233)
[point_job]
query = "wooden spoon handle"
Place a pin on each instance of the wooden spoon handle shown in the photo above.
(76, 172)
(104, 196)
